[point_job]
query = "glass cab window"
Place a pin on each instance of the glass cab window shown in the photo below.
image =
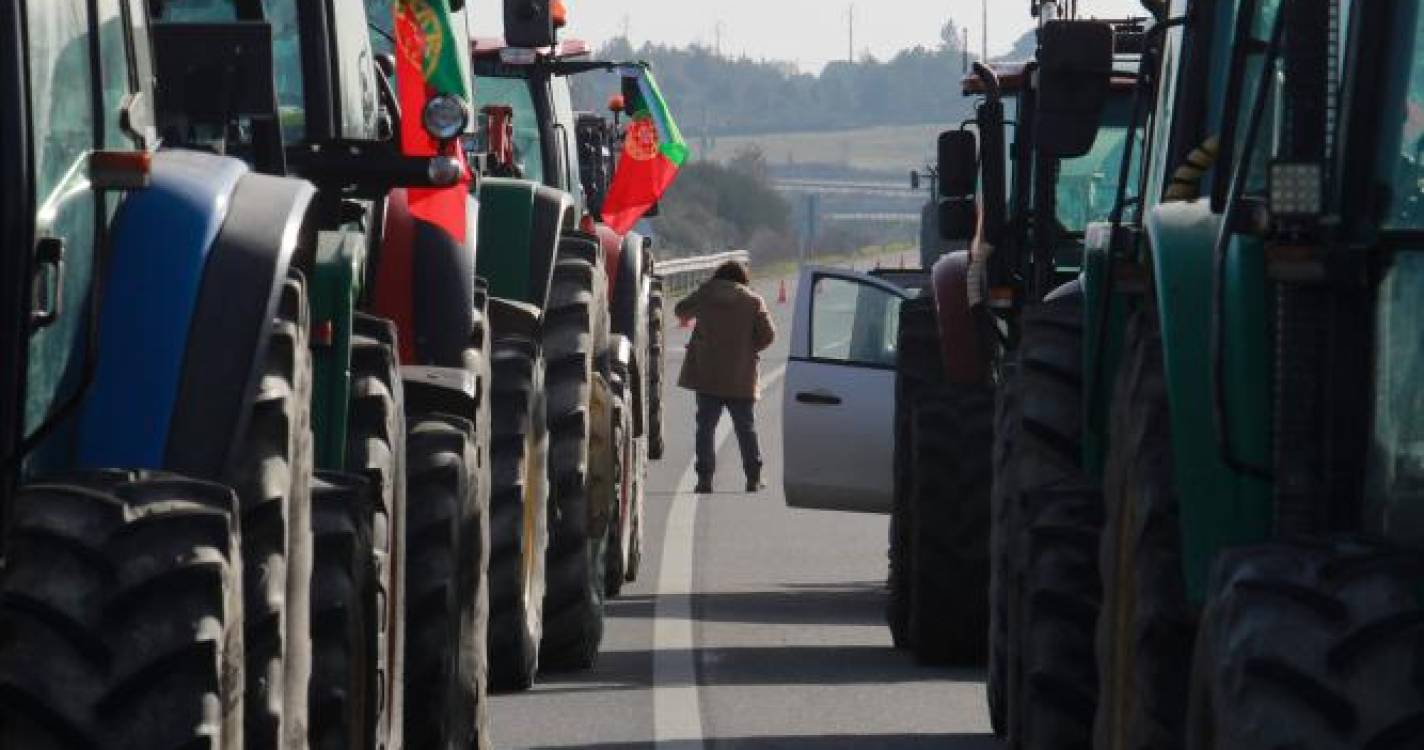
(854, 323)
(516, 94)
(286, 50)
(62, 99)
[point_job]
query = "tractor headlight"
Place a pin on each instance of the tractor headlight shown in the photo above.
(445, 117)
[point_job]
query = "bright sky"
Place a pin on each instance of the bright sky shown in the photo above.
(808, 32)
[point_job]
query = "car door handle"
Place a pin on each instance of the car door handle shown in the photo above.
(820, 398)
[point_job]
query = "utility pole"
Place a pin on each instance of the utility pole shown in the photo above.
(850, 24)
(718, 35)
(964, 48)
(984, 42)
(627, 29)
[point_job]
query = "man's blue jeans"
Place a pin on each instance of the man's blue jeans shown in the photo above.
(709, 413)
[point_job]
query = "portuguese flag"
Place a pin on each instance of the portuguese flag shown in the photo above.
(427, 65)
(653, 151)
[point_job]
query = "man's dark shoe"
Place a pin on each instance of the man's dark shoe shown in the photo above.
(754, 483)
(704, 485)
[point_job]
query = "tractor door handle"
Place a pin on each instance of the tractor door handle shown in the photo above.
(819, 398)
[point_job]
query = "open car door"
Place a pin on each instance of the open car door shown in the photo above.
(839, 399)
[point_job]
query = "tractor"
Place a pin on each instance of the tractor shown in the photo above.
(399, 411)
(1261, 472)
(560, 449)
(960, 352)
(158, 489)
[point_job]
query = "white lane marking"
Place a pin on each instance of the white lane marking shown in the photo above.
(677, 709)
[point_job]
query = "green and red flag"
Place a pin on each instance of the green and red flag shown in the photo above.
(428, 64)
(428, 50)
(653, 152)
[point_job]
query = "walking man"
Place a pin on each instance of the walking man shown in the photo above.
(733, 327)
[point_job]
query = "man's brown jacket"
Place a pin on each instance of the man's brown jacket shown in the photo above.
(733, 326)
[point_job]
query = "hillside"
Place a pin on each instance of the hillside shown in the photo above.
(713, 95)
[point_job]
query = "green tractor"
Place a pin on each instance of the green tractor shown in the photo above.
(1261, 478)
(559, 447)
(399, 408)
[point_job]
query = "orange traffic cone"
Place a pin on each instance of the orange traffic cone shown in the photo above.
(781, 294)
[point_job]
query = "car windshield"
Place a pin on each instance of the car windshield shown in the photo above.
(515, 94)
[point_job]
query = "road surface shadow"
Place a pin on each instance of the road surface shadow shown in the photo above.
(861, 603)
(857, 742)
(762, 665)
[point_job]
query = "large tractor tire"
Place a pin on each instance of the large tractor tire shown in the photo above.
(574, 335)
(1147, 626)
(952, 436)
(620, 547)
(358, 623)
(1052, 529)
(656, 368)
(919, 367)
(273, 476)
(519, 513)
(1003, 655)
(121, 616)
(345, 692)
(447, 565)
(1309, 645)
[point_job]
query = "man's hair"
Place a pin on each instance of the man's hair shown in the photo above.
(733, 270)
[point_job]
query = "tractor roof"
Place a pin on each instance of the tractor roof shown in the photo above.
(566, 49)
(1014, 76)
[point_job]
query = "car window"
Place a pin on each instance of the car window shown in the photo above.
(854, 322)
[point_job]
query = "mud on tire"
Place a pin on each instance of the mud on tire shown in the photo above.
(121, 615)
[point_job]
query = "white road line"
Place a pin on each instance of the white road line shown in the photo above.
(677, 709)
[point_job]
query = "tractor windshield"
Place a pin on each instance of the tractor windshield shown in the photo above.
(516, 94)
(1087, 185)
(1396, 452)
(286, 49)
(1403, 139)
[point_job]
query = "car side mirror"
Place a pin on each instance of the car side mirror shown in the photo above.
(957, 160)
(1075, 69)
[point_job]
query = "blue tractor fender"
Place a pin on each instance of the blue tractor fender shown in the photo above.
(197, 262)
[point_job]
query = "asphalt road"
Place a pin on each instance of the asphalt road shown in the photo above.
(751, 626)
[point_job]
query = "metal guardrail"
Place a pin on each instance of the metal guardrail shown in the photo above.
(682, 275)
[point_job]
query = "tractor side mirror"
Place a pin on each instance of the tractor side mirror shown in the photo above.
(1075, 68)
(914, 179)
(653, 211)
(529, 23)
(958, 165)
